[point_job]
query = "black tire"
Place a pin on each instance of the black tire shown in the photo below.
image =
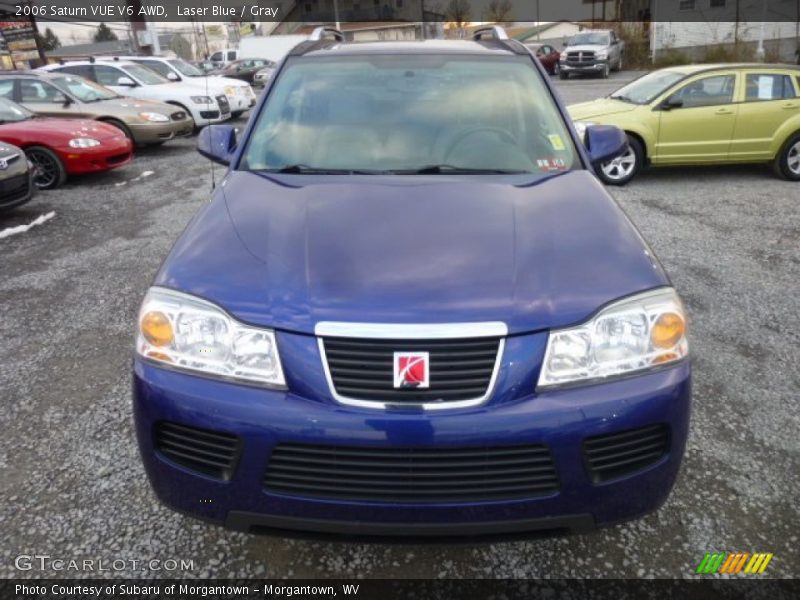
(619, 64)
(606, 71)
(50, 171)
(638, 155)
(121, 126)
(787, 163)
(236, 114)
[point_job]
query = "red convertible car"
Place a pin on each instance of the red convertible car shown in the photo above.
(61, 147)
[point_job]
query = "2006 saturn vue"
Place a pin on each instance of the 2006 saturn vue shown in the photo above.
(411, 309)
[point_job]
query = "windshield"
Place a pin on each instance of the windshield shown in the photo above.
(83, 89)
(591, 39)
(407, 114)
(648, 87)
(11, 112)
(145, 75)
(185, 68)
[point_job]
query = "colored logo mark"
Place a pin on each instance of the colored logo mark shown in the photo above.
(734, 562)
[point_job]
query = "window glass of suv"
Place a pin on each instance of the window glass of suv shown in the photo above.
(406, 113)
(648, 87)
(708, 91)
(185, 68)
(156, 66)
(106, 75)
(145, 75)
(767, 86)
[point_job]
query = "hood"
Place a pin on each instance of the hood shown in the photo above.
(130, 105)
(601, 107)
(395, 250)
(55, 128)
(586, 48)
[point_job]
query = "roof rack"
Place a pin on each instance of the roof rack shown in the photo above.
(496, 30)
(63, 61)
(319, 33)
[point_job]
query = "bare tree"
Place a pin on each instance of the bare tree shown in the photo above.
(459, 12)
(499, 11)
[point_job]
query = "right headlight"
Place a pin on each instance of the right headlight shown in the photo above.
(563, 55)
(634, 334)
(188, 333)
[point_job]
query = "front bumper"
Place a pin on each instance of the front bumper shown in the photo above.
(111, 154)
(156, 133)
(584, 67)
(560, 420)
(17, 188)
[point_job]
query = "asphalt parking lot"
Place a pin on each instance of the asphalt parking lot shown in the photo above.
(73, 486)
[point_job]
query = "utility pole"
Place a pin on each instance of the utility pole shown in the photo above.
(36, 37)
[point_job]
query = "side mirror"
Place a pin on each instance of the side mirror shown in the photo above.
(62, 99)
(126, 81)
(217, 143)
(173, 76)
(605, 143)
(670, 103)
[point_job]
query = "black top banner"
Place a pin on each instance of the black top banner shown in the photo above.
(457, 11)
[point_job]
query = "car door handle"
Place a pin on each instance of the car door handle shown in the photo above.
(724, 111)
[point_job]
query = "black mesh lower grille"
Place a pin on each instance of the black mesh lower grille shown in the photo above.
(620, 454)
(209, 452)
(411, 474)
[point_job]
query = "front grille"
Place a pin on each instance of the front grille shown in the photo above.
(224, 105)
(118, 158)
(620, 454)
(411, 475)
(178, 116)
(363, 369)
(580, 57)
(209, 452)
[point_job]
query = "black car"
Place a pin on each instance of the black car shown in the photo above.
(16, 177)
(244, 68)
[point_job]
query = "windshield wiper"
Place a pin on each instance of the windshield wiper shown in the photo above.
(623, 99)
(306, 169)
(455, 170)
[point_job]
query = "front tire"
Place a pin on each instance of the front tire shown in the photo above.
(787, 163)
(50, 171)
(623, 168)
(236, 114)
(619, 63)
(606, 70)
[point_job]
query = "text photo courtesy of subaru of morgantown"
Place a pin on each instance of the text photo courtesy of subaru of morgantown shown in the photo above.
(425, 297)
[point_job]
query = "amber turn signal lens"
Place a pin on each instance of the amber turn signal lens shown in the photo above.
(668, 330)
(156, 328)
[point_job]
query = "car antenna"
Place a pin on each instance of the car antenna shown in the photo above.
(213, 174)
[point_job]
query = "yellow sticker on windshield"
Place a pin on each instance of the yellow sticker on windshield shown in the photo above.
(556, 141)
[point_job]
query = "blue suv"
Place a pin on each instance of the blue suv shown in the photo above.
(411, 309)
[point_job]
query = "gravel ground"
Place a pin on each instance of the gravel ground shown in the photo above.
(73, 487)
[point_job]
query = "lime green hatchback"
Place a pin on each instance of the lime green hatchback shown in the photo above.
(702, 114)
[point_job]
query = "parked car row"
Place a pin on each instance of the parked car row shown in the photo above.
(86, 116)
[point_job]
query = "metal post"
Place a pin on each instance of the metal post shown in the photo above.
(760, 52)
(336, 14)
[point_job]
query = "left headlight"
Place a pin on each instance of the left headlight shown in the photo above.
(229, 91)
(602, 54)
(635, 334)
(201, 99)
(83, 142)
(154, 117)
(187, 333)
